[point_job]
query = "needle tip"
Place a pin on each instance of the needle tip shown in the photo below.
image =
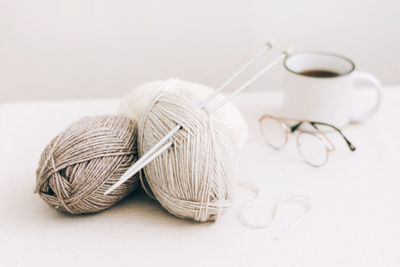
(107, 192)
(114, 186)
(289, 51)
(271, 43)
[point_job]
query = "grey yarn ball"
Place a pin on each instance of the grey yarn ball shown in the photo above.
(193, 178)
(84, 160)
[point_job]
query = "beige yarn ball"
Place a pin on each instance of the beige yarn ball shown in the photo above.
(83, 161)
(193, 178)
(136, 101)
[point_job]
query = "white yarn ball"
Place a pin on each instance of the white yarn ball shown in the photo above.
(134, 104)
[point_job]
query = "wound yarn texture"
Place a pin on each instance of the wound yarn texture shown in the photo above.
(136, 101)
(193, 178)
(83, 161)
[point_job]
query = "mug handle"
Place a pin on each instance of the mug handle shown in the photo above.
(363, 76)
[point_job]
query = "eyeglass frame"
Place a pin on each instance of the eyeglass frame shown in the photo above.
(291, 129)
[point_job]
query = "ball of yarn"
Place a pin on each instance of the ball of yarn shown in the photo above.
(83, 161)
(193, 178)
(135, 102)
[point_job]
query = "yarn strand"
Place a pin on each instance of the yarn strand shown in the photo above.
(246, 222)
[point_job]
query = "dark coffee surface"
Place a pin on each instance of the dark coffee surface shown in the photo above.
(320, 73)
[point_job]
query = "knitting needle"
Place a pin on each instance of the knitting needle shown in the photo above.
(255, 77)
(132, 170)
(266, 47)
(141, 162)
(212, 110)
(148, 157)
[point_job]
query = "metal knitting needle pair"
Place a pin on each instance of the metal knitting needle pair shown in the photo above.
(164, 144)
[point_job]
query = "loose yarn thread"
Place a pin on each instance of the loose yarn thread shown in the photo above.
(78, 166)
(256, 189)
(193, 178)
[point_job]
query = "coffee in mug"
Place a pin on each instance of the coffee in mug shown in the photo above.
(320, 73)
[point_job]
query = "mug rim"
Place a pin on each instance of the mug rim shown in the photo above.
(353, 66)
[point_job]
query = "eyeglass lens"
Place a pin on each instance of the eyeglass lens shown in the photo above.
(312, 148)
(273, 132)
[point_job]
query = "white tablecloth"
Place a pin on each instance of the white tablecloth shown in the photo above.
(355, 219)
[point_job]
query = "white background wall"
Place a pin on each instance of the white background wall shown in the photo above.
(96, 48)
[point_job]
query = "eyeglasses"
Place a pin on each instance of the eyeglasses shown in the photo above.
(313, 146)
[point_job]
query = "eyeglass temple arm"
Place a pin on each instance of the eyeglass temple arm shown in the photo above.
(350, 145)
(295, 127)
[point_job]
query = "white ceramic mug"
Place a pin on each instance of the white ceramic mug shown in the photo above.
(325, 99)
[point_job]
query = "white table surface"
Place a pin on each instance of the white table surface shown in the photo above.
(355, 219)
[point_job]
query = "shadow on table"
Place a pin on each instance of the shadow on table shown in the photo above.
(137, 208)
